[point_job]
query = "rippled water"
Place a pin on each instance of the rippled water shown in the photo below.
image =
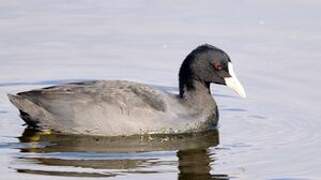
(275, 47)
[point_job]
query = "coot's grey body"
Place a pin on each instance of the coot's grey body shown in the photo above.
(113, 108)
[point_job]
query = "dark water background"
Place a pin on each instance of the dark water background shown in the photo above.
(274, 45)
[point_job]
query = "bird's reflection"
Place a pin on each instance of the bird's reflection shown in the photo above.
(112, 156)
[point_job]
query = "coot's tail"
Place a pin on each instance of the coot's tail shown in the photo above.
(29, 111)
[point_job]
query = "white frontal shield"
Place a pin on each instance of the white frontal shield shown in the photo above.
(233, 82)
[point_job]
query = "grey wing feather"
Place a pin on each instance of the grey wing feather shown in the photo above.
(59, 100)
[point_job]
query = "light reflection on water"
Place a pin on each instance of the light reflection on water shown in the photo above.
(94, 156)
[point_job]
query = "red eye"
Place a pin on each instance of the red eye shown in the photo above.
(218, 67)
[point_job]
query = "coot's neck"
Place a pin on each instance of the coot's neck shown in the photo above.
(196, 92)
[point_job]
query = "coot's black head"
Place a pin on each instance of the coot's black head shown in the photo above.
(208, 64)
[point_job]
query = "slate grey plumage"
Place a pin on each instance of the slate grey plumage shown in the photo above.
(113, 107)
